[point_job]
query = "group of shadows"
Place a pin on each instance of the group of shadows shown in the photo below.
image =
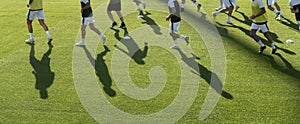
(45, 77)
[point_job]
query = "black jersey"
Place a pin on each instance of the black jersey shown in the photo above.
(175, 4)
(86, 12)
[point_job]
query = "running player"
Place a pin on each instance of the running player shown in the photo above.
(295, 8)
(260, 21)
(174, 17)
(88, 19)
(277, 11)
(198, 5)
(229, 7)
(115, 5)
(36, 11)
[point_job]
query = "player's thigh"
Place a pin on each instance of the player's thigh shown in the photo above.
(31, 15)
(264, 27)
(87, 20)
(174, 26)
(41, 15)
(227, 3)
(254, 26)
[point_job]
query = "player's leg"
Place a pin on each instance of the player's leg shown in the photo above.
(30, 30)
(174, 27)
(269, 4)
(267, 35)
(198, 5)
(230, 9)
(122, 19)
(277, 7)
(46, 29)
(218, 12)
(41, 19)
(279, 12)
(137, 3)
(83, 32)
(264, 28)
(236, 5)
(254, 28)
(297, 15)
(92, 26)
(111, 17)
(182, 5)
(221, 5)
(30, 18)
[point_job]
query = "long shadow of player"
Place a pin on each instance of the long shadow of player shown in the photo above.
(247, 32)
(42, 71)
(101, 70)
(149, 21)
(290, 24)
(290, 70)
(210, 77)
(133, 49)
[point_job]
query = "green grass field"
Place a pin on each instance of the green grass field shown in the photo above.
(257, 88)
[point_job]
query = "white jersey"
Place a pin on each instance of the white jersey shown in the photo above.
(294, 3)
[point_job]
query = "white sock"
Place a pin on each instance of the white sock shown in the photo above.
(48, 34)
(182, 5)
(261, 43)
(299, 22)
(228, 18)
(175, 42)
(218, 12)
(275, 11)
(280, 12)
(273, 46)
(221, 3)
(196, 3)
(31, 35)
(82, 40)
(182, 37)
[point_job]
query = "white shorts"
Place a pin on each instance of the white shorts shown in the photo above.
(228, 3)
(263, 27)
(35, 14)
(174, 27)
(87, 20)
(270, 2)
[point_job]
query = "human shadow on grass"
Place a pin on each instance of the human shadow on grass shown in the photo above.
(290, 24)
(42, 71)
(101, 69)
(211, 78)
(247, 32)
(248, 22)
(290, 70)
(149, 21)
(133, 49)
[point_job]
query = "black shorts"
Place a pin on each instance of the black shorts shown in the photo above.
(297, 15)
(114, 5)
